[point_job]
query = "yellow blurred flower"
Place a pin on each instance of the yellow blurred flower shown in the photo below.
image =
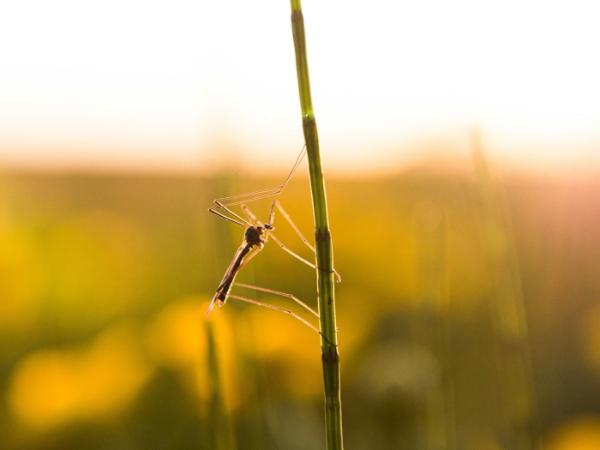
(177, 338)
(53, 386)
(580, 434)
(292, 344)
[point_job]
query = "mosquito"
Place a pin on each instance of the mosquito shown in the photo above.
(256, 235)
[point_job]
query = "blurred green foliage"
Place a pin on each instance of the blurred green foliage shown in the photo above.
(468, 315)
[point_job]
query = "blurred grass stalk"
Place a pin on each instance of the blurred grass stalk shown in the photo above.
(433, 329)
(325, 279)
(513, 359)
(219, 420)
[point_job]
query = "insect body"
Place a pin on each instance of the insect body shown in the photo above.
(255, 238)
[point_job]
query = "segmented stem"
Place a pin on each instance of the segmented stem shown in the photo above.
(324, 254)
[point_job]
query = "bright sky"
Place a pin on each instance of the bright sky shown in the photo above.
(176, 84)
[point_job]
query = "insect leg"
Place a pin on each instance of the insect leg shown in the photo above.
(272, 213)
(281, 294)
(261, 194)
(287, 217)
(276, 308)
(251, 196)
(253, 217)
(249, 213)
(289, 220)
(295, 255)
(230, 211)
(223, 216)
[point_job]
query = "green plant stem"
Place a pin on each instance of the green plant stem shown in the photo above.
(325, 276)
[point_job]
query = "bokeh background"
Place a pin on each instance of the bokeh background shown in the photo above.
(459, 142)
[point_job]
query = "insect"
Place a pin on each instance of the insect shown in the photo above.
(256, 235)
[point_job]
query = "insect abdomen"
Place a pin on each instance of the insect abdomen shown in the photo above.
(225, 286)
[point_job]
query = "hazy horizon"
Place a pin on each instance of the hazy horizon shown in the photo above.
(393, 81)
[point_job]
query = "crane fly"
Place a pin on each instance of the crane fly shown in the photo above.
(255, 238)
(256, 235)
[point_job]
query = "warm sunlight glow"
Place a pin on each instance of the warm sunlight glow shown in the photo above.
(163, 83)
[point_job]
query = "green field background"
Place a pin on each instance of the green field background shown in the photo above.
(468, 315)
